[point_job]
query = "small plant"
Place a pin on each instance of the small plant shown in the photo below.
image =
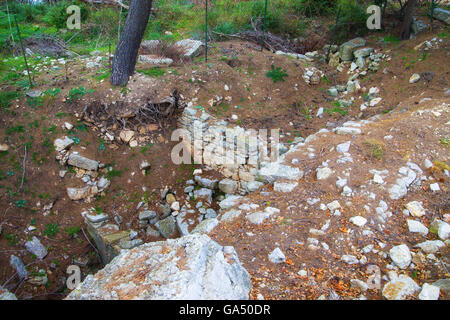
(276, 74)
(51, 230)
(374, 148)
(73, 231)
(445, 141)
(77, 93)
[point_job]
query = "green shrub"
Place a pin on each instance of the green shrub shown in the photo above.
(57, 16)
(352, 22)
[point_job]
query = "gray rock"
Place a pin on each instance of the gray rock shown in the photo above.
(231, 215)
(349, 259)
(182, 225)
(228, 186)
(274, 171)
(63, 144)
(206, 182)
(346, 49)
(150, 232)
(277, 256)
(253, 186)
(400, 288)
(36, 248)
(193, 267)
(417, 227)
(259, 217)
(332, 92)
(442, 15)
(191, 48)
(444, 286)
(18, 265)
(229, 202)
(419, 26)
(401, 256)
(429, 292)
(166, 227)
(430, 246)
(363, 52)
(148, 215)
(206, 226)
(210, 214)
(129, 244)
(284, 186)
(81, 162)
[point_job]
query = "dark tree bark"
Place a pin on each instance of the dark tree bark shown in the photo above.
(130, 39)
(408, 19)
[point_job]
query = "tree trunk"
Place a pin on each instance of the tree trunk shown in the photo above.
(127, 50)
(408, 19)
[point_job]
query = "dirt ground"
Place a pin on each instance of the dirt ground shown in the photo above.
(290, 105)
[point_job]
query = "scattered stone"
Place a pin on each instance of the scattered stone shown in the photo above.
(231, 215)
(430, 246)
(228, 186)
(6, 295)
(358, 221)
(415, 209)
(356, 283)
(429, 292)
(36, 248)
(349, 259)
(126, 135)
(277, 256)
(435, 187)
(414, 78)
(400, 288)
(144, 165)
(4, 147)
(346, 49)
(206, 226)
(82, 162)
(417, 227)
(150, 232)
(284, 186)
(323, 173)
(81, 193)
(166, 227)
(229, 202)
(63, 144)
(204, 194)
(206, 183)
(401, 256)
(18, 265)
(259, 217)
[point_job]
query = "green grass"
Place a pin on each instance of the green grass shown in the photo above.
(276, 74)
(153, 72)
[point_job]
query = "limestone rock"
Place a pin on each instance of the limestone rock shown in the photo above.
(193, 267)
(277, 256)
(399, 288)
(429, 292)
(166, 227)
(35, 247)
(346, 49)
(401, 256)
(82, 162)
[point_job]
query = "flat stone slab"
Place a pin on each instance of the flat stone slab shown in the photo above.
(36, 248)
(82, 162)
